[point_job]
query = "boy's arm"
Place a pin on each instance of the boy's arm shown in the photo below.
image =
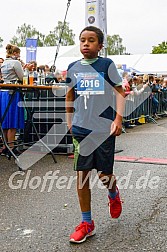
(70, 96)
(116, 126)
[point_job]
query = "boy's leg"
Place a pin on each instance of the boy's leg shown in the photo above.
(86, 227)
(115, 203)
(83, 165)
(83, 190)
(109, 181)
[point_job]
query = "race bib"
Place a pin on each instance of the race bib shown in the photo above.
(90, 83)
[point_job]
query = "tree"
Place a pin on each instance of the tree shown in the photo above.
(114, 45)
(28, 31)
(61, 30)
(1, 40)
(161, 48)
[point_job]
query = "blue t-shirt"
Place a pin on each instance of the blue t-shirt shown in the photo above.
(94, 97)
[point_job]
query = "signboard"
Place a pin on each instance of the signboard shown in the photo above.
(95, 15)
(31, 49)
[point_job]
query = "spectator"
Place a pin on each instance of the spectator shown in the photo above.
(1, 61)
(120, 70)
(154, 97)
(58, 75)
(32, 67)
(132, 103)
(64, 74)
(125, 83)
(49, 75)
(12, 72)
(164, 95)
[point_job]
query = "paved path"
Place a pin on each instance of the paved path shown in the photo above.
(35, 217)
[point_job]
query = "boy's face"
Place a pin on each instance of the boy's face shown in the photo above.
(89, 44)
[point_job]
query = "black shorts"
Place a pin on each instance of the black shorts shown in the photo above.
(89, 154)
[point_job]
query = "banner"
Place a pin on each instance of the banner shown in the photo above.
(31, 49)
(95, 15)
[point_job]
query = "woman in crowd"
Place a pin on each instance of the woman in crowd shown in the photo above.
(1, 61)
(12, 72)
(1, 81)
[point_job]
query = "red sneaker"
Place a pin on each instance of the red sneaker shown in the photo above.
(115, 205)
(82, 231)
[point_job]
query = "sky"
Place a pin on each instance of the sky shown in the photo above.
(141, 24)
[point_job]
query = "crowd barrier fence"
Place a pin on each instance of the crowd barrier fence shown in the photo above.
(145, 107)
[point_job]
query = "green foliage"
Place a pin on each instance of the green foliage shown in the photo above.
(61, 30)
(67, 38)
(1, 40)
(114, 45)
(28, 31)
(23, 32)
(161, 48)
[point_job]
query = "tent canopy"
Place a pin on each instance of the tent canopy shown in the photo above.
(145, 63)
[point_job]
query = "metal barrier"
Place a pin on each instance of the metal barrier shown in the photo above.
(47, 109)
(145, 106)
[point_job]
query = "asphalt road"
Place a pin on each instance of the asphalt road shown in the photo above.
(37, 215)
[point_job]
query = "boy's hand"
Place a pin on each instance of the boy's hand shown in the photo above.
(116, 128)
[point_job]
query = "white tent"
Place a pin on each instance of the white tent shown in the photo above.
(46, 55)
(145, 63)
